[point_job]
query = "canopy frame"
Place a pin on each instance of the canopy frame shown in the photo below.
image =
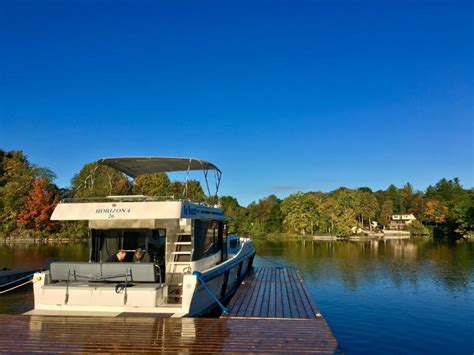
(137, 166)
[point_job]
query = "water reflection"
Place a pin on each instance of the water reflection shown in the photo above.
(36, 256)
(411, 296)
(33, 256)
(122, 334)
(399, 261)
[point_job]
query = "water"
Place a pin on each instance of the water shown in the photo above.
(22, 256)
(399, 296)
(410, 296)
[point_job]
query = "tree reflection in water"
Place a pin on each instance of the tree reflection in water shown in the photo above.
(414, 295)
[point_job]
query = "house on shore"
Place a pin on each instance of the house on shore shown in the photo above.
(401, 221)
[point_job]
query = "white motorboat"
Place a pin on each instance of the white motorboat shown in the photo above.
(193, 265)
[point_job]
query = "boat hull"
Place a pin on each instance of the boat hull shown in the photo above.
(79, 298)
(222, 282)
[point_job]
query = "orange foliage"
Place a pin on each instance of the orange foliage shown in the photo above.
(436, 211)
(39, 206)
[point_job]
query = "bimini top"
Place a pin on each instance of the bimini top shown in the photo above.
(136, 166)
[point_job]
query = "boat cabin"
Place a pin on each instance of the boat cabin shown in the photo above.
(176, 236)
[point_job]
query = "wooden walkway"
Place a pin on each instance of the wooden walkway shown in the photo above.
(273, 292)
(271, 312)
(53, 334)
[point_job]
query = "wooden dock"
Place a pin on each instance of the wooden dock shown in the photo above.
(273, 292)
(271, 312)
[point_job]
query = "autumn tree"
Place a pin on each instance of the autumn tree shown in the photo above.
(40, 203)
(436, 211)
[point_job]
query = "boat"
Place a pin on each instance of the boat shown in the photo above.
(194, 266)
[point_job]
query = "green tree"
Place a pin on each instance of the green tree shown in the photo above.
(463, 212)
(406, 196)
(393, 194)
(42, 172)
(339, 212)
(17, 180)
(301, 214)
(194, 190)
(274, 220)
(152, 185)
(235, 212)
(369, 207)
(99, 181)
(386, 212)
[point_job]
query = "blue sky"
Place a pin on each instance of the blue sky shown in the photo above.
(282, 95)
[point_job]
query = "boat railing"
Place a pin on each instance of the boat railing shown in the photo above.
(133, 198)
(121, 198)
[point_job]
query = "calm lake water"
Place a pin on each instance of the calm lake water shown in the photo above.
(409, 296)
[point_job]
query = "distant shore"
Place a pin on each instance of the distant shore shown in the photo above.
(385, 235)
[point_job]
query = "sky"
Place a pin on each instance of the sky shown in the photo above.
(283, 96)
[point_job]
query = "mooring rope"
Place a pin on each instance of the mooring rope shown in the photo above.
(17, 286)
(275, 263)
(203, 282)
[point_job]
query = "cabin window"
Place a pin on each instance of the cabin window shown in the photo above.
(106, 242)
(208, 238)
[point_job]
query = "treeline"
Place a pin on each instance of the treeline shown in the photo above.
(445, 209)
(28, 196)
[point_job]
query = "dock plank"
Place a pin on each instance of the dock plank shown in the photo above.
(273, 292)
(61, 334)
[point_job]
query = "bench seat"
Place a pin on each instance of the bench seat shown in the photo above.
(113, 272)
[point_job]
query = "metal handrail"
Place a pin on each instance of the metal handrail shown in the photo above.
(125, 294)
(201, 280)
(132, 198)
(101, 278)
(159, 272)
(66, 296)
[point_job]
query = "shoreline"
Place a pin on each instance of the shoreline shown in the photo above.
(41, 240)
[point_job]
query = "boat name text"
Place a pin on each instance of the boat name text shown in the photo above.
(112, 211)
